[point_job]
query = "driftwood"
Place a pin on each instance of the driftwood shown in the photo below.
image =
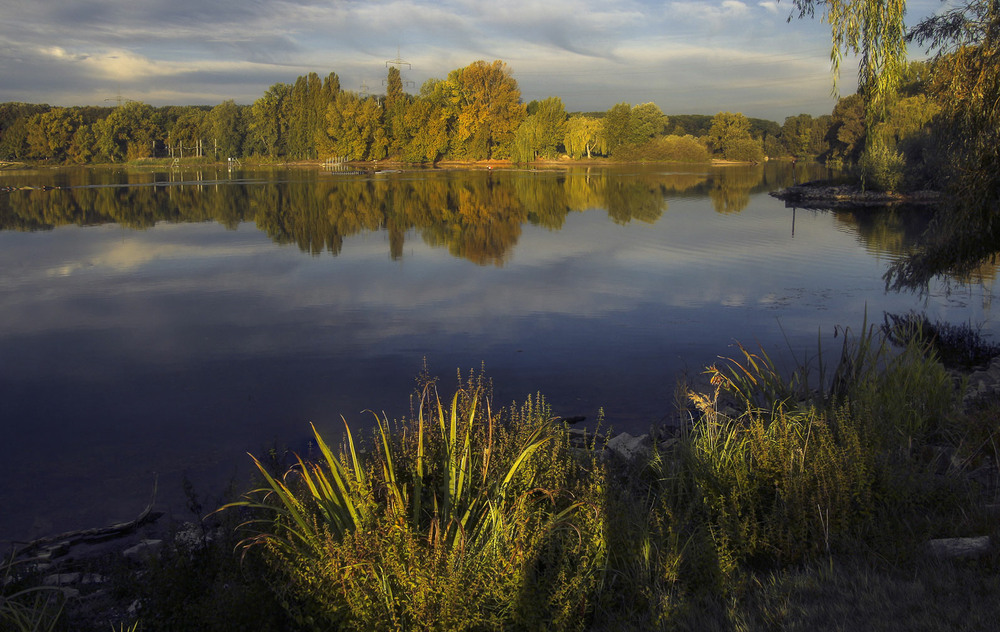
(58, 545)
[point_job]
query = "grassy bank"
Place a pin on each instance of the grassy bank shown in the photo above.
(800, 501)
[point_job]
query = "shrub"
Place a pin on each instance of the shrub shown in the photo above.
(664, 149)
(881, 169)
(744, 150)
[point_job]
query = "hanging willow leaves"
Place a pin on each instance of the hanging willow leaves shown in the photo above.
(874, 30)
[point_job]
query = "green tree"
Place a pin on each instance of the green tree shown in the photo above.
(394, 88)
(14, 128)
(190, 131)
(426, 126)
(268, 121)
(50, 134)
(646, 122)
(797, 134)
(846, 135)
(966, 84)
(128, 133)
(81, 149)
(541, 133)
(395, 111)
(730, 136)
(616, 127)
(228, 128)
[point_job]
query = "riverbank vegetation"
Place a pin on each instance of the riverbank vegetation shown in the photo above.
(781, 501)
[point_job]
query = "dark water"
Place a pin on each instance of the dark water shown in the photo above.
(171, 321)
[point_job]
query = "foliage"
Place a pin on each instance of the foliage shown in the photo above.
(874, 30)
(966, 83)
(460, 519)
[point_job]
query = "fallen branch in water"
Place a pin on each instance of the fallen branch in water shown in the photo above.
(58, 545)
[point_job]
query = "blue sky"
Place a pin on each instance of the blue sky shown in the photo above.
(687, 56)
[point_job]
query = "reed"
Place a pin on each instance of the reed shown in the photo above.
(462, 518)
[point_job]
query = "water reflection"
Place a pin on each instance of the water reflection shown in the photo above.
(180, 346)
(476, 215)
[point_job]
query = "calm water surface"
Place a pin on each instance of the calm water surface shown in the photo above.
(170, 321)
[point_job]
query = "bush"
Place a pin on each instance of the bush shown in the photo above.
(664, 149)
(744, 150)
(880, 168)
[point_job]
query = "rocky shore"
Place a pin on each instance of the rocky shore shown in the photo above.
(824, 195)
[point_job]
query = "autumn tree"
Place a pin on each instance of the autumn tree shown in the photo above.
(426, 125)
(355, 127)
(485, 102)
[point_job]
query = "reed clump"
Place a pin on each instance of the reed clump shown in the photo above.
(463, 518)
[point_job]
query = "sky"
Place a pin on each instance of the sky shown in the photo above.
(689, 56)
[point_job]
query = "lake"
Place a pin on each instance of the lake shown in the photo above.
(167, 321)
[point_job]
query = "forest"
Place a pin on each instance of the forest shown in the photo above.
(476, 113)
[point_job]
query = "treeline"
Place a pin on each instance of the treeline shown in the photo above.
(476, 113)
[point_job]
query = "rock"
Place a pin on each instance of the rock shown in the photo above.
(628, 446)
(61, 579)
(824, 195)
(959, 548)
(145, 548)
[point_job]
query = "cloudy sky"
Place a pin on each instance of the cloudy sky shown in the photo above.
(692, 56)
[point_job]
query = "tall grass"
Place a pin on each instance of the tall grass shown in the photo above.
(463, 518)
(467, 517)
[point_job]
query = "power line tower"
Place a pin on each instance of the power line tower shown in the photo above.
(118, 99)
(399, 62)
